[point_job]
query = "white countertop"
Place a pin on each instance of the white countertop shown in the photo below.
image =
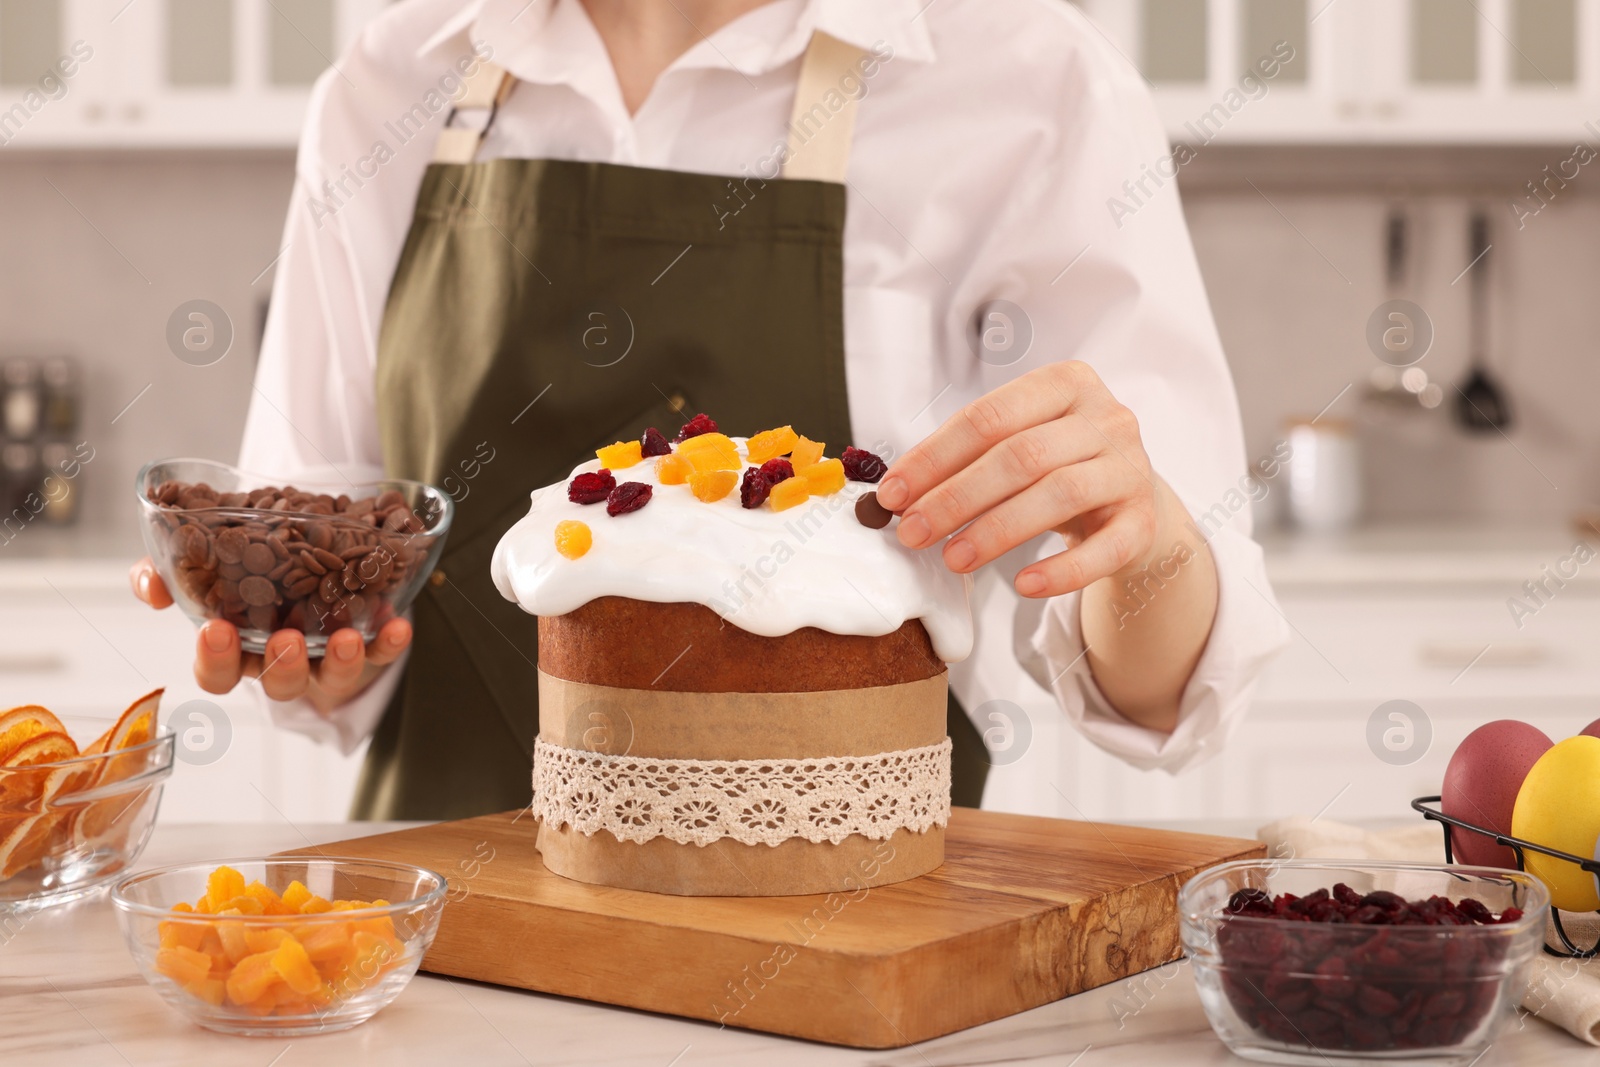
(69, 994)
(1435, 553)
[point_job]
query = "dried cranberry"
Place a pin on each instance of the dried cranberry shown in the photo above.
(861, 465)
(654, 443)
(592, 487)
(755, 488)
(696, 426)
(776, 470)
(629, 496)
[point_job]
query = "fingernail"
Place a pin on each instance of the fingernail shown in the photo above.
(217, 639)
(144, 584)
(914, 531)
(346, 650)
(291, 652)
(892, 493)
(959, 555)
(1030, 584)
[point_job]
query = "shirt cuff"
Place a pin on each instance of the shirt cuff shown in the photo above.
(1247, 633)
(346, 726)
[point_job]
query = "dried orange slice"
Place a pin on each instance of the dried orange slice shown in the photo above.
(133, 727)
(27, 843)
(23, 724)
(100, 820)
(52, 746)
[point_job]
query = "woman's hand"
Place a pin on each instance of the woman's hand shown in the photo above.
(285, 670)
(1051, 450)
(1054, 450)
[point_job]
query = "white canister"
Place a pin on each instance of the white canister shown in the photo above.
(1324, 475)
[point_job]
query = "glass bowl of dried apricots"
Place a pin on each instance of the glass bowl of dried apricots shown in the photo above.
(78, 798)
(281, 946)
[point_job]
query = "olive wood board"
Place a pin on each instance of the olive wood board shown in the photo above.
(1024, 911)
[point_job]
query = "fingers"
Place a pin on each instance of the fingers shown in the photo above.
(285, 666)
(217, 657)
(1054, 500)
(147, 584)
(999, 474)
(1035, 397)
(393, 639)
(348, 665)
(1101, 554)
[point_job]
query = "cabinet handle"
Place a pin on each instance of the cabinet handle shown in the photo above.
(38, 663)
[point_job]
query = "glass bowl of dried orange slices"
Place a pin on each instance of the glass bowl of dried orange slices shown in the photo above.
(281, 946)
(73, 817)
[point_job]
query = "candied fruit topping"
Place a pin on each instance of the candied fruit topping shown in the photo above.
(673, 470)
(754, 488)
(789, 492)
(629, 496)
(806, 452)
(824, 477)
(573, 538)
(769, 444)
(711, 452)
(776, 470)
(620, 455)
(862, 466)
(712, 486)
(700, 424)
(654, 443)
(591, 487)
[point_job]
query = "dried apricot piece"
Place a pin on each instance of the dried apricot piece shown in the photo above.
(806, 452)
(296, 896)
(294, 967)
(712, 486)
(789, 492)
(673, 470)
(265, 938)
(251, 977)
(620, 455)
(711, 452)
(186, 966)
(222, 885)
(770, 444)
(573, 538)
(824, 477)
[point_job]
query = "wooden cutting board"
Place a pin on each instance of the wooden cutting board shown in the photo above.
(1024, 911)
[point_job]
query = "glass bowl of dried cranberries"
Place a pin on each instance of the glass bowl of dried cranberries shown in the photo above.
(1313, 962)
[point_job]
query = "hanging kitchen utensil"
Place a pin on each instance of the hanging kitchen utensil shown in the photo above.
(1481, 403)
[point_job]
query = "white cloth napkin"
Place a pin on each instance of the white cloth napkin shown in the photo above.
(1562, 992)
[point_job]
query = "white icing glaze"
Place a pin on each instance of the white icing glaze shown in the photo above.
(768, 572)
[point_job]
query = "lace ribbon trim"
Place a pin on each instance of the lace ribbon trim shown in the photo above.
(754, 802)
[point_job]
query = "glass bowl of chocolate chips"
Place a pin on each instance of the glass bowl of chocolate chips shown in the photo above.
(313, 558)
(1322, 962)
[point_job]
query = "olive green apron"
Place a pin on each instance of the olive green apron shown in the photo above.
(540, 309)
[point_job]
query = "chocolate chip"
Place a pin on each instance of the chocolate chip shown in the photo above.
(872, 514)
(231, 544)
(256, 591)
(259, 559)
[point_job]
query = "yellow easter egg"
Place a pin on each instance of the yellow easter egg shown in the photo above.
(1559, 807)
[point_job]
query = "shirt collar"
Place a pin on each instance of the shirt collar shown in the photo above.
(532, 37)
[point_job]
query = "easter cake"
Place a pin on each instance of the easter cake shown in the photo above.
(742, 680)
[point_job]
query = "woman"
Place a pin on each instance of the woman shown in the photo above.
(886, 223)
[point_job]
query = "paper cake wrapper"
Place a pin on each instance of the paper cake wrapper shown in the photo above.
(739, 726)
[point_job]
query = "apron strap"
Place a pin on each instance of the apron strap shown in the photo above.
(824, 116)
(486, 89)
(820, 126)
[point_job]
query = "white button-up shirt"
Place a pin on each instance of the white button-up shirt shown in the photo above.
(988, 151)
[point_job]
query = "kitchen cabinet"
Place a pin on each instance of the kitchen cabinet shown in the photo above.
(171, 73)
(1431, 71)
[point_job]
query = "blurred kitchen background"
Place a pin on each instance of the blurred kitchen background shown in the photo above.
(159, 172)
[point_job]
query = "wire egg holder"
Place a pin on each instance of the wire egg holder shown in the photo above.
(1519, 847)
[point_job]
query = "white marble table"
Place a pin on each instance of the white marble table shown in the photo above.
(69, 995)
